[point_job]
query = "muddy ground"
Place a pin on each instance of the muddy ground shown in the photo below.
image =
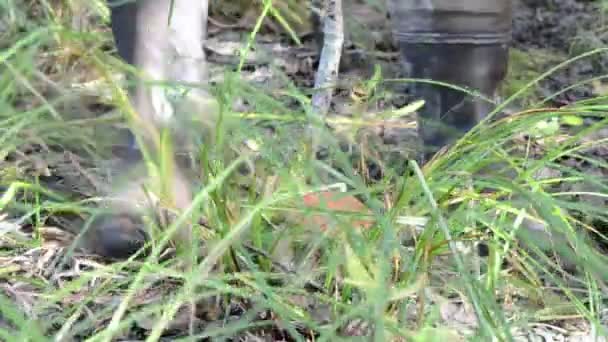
(562, 29)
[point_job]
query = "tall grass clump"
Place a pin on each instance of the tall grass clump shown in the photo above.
(503, 229)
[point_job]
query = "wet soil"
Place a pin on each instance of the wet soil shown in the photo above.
(553, 23)
(558, 30)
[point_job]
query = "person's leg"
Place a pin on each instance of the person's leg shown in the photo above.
(164, 44)
(464, 43)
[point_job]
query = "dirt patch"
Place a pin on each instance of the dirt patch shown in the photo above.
(553, 23)
(550, 31)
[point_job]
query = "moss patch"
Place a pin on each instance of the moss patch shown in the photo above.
(524, 67)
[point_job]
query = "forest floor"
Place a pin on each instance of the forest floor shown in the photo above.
(276, 281)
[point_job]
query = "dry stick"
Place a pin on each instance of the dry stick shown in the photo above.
(329, 63)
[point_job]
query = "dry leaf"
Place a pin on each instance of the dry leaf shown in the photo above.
(336, 202)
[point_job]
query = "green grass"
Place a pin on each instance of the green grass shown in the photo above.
(276, 276)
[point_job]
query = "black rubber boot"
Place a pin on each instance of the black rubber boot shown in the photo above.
(116, 235)
(449, 113)
(463, 44)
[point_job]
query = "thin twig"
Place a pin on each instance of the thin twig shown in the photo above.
(329, 63)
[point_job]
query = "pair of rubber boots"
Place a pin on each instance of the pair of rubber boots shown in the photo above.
(462, 43)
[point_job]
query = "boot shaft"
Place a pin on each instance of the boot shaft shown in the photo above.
(451, 21)
(449, 113)
(459, 42)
